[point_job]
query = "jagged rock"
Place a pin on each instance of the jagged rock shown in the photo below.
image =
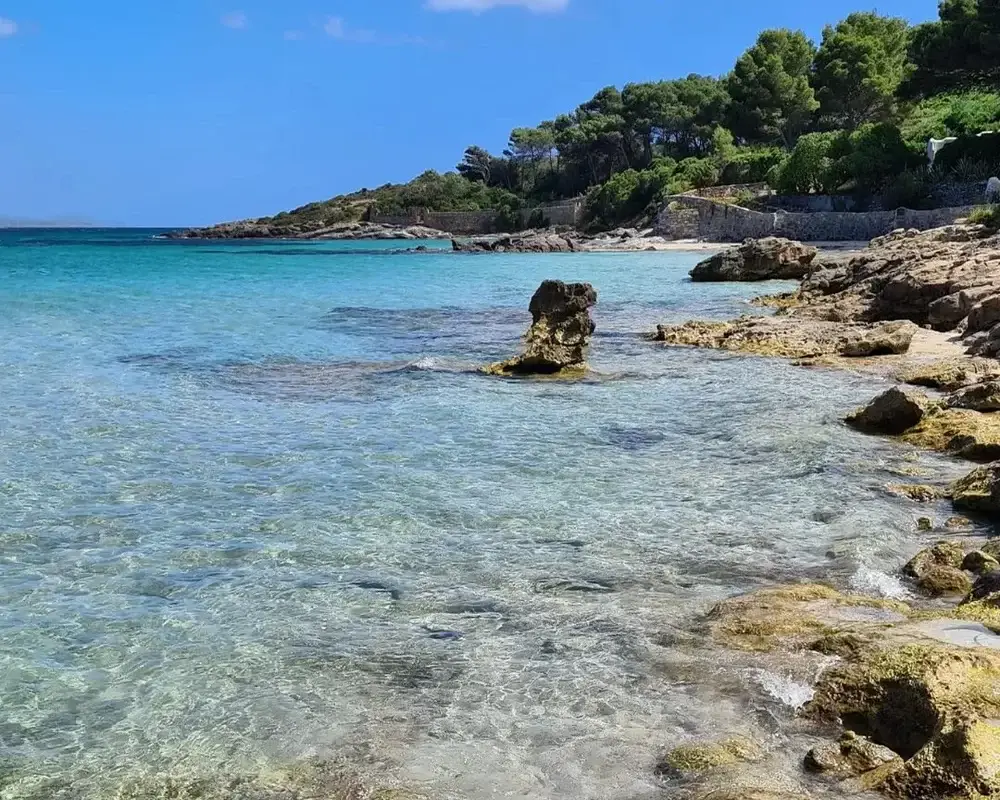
(916, 492)
(559, 334)
(986, 588)
(978, 491)
(791, 338)
(934, 705)
(941, 581)
(521, 243)
(853, 755)
(979, 562)
(943, 554)
(766, 259)
(983, 397)
(967, 434)
(892, 412)
(951, 374)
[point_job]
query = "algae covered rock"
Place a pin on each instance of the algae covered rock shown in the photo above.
(951, 374)
(559, 334)
(853, 756)
(892, 412)
(968, 434)
(771, 258)
(942, 554)
(979, 562)
(978, 491)
(704, 756)
(933, 705)
(983, 397)
(941, 581)
(916, 492)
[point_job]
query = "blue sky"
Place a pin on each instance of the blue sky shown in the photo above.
(194, 111)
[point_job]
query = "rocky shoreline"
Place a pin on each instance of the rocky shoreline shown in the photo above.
(346, 231)
(907, 698)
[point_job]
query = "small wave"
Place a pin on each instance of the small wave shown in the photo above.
(785, 690)
(867, 580)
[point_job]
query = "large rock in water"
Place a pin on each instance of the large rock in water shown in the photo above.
(559, 334)
(892, 412)
(979, 490)
(529, 242)
(758, 260)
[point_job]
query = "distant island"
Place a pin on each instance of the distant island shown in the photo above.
(59, 222)
(851, 116)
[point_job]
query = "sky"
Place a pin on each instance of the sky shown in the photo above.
(187, 112)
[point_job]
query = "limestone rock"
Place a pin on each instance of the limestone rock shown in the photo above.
(892, 412)
(693, 758)
(983, 397)
(766, 259)
(943, 554)
(791, 338)
(933, 705)
(979, 562)
(915, 492)
(967, 434)
(941, 581)
(978, 491)
(530, 242)
(853, 755)
(951, 374)
(559, 334)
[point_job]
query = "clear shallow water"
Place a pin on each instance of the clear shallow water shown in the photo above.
(255, 507)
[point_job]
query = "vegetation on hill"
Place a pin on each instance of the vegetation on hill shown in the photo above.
(852, 113)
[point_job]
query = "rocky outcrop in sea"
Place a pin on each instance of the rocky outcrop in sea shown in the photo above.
(342, 231)
(767, 259)
(560, 331)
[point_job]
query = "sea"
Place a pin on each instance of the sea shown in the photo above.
(257, 507)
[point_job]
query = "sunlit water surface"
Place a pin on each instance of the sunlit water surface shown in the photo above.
(256, 507)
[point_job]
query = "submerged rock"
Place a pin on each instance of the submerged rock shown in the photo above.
(693, 758)
(766, 259)
(853, 756)
(559, 334)
(892, 412)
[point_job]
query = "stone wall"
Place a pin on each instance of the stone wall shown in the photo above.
(680, 224)
(732, 190)
(959, 194)
(810, 203)
(721, 222)
(564, 212)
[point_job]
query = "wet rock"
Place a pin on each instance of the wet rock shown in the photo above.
(951, 374)
(978, 491)
(986, 587)
(983, 397)
(379, 586)
(766, 259)
(853, 755)
(791, 338)
(953, 523)
(942, 554)
(943, 581)
(916, 492)
(925, 524)
(967, 434)
(559, 334)
(694, 758)
(585, 586)
(934, 705)
(892, 412)
(979, 562)
(795, 617)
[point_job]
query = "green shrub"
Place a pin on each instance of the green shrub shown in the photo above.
(951, 115)
(751, 165)
(978, 150)
(910, 189)
(876, 154)
(699, 172)
(986, 215)
(812, 164)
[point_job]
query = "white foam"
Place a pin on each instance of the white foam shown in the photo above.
(782, 688)
(872, 581)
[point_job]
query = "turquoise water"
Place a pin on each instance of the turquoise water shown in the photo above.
(255, 507)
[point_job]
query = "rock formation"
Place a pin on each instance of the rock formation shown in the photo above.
(559, 334)
(758, 260)
(268, 229)
(892, 412)
(530, 242)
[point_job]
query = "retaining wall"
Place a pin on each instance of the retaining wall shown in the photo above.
(564, 212)
(720, 222)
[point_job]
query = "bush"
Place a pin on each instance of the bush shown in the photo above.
(978, 150)
(986, 215)
(812, 165)
(699, 172)
(951, 115)
(628, 194)
(910, 189)
(752, 165)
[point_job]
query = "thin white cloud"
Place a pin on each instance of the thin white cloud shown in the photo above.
(235, 20)
(294, 36)
(7, 28)
(337, 28)
(479, 6)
